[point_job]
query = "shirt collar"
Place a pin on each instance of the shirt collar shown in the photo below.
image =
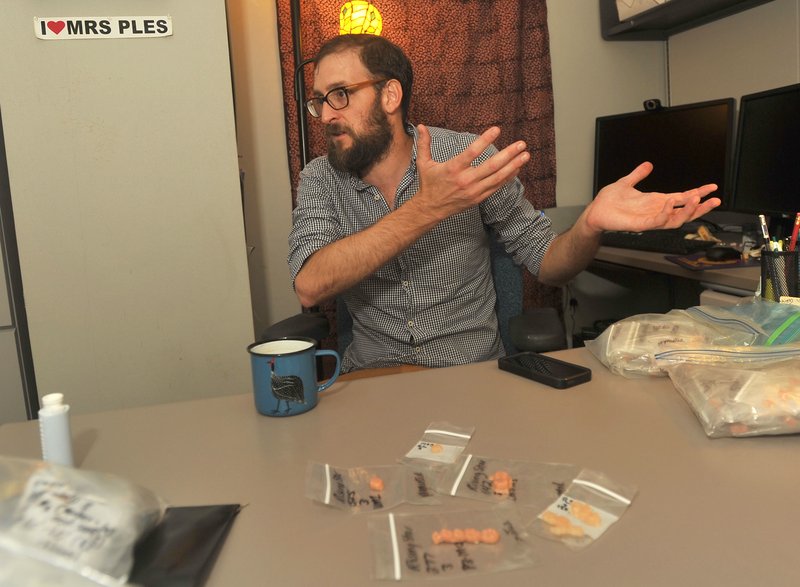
(411, 130)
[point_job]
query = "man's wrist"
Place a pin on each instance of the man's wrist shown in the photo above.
(584, 226)
(421, 213)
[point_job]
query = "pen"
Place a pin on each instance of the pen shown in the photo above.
(765, 231)
(793, 242)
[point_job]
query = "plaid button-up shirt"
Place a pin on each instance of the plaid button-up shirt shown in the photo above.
(434, 304)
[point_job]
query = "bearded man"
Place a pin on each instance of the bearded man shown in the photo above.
(394, 218)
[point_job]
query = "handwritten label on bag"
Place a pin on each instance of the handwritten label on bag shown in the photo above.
(581, 517)
(434, 451)
(346, 496)
(54, 516)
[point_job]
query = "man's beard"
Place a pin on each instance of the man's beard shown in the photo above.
(367, 149)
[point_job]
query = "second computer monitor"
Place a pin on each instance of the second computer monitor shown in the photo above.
(767, 174)
(689, 145)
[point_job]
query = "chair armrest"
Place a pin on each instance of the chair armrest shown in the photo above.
(308, 324)
(538, 329)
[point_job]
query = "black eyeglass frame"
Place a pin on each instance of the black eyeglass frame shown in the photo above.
(314, 105)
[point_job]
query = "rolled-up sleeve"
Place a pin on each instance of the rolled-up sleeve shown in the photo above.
(524, 231)
(315, 222)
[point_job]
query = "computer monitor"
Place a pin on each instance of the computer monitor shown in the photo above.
(689, 146)
(766, 177)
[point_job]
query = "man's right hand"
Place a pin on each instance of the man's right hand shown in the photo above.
(456, 185)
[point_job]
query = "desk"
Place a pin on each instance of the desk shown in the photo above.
(708, 512)
(624, 282)
(614, 287)
(380, 371)
(744, 279)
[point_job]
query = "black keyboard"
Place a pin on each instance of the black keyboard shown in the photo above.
(669, 242)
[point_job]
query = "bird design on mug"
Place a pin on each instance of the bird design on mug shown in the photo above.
(288, 388)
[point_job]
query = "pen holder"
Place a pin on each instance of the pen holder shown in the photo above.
(779, 274)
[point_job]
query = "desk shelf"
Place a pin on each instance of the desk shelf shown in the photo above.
(674, 16)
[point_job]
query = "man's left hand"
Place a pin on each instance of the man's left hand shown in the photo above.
(620, 206)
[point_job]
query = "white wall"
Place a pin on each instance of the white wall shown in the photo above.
(591, 78)
(261, 135)
(124, 180)
(754, 50)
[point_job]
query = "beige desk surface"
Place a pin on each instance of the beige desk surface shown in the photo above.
(743, 278)
(708, 512)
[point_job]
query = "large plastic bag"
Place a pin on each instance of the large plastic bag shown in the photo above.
(78, 525)
(732, 400)
(755, 331)
(21, 571)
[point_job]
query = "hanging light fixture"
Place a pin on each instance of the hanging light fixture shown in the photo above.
(359, 17)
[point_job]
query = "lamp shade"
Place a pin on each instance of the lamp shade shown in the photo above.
(359, 17)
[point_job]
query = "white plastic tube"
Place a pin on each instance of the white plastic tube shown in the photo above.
(54, 430)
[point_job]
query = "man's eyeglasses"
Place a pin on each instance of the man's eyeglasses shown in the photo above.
(337, 98)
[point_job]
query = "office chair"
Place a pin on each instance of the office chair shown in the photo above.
(536, 329)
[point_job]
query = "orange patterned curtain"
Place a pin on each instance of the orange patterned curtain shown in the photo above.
(476, 63)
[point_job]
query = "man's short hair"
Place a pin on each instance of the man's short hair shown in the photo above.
(382, 58)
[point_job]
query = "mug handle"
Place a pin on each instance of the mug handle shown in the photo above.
(328, 382)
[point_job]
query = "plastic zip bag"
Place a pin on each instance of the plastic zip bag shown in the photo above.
(727, 356)
(18, 570)
(367, 489)
(773, 323)
(583, 513)
(524, 483)
(627, 347)
(441, 444)
(776, 328)
(451, 544)
(731, 400)
(81, 521)
(756, 331)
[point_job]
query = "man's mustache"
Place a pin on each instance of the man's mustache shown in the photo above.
(335, 129)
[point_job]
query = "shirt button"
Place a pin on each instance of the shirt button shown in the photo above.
(405, 284)
(417, 350)
(410, 323)
(376, 197)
